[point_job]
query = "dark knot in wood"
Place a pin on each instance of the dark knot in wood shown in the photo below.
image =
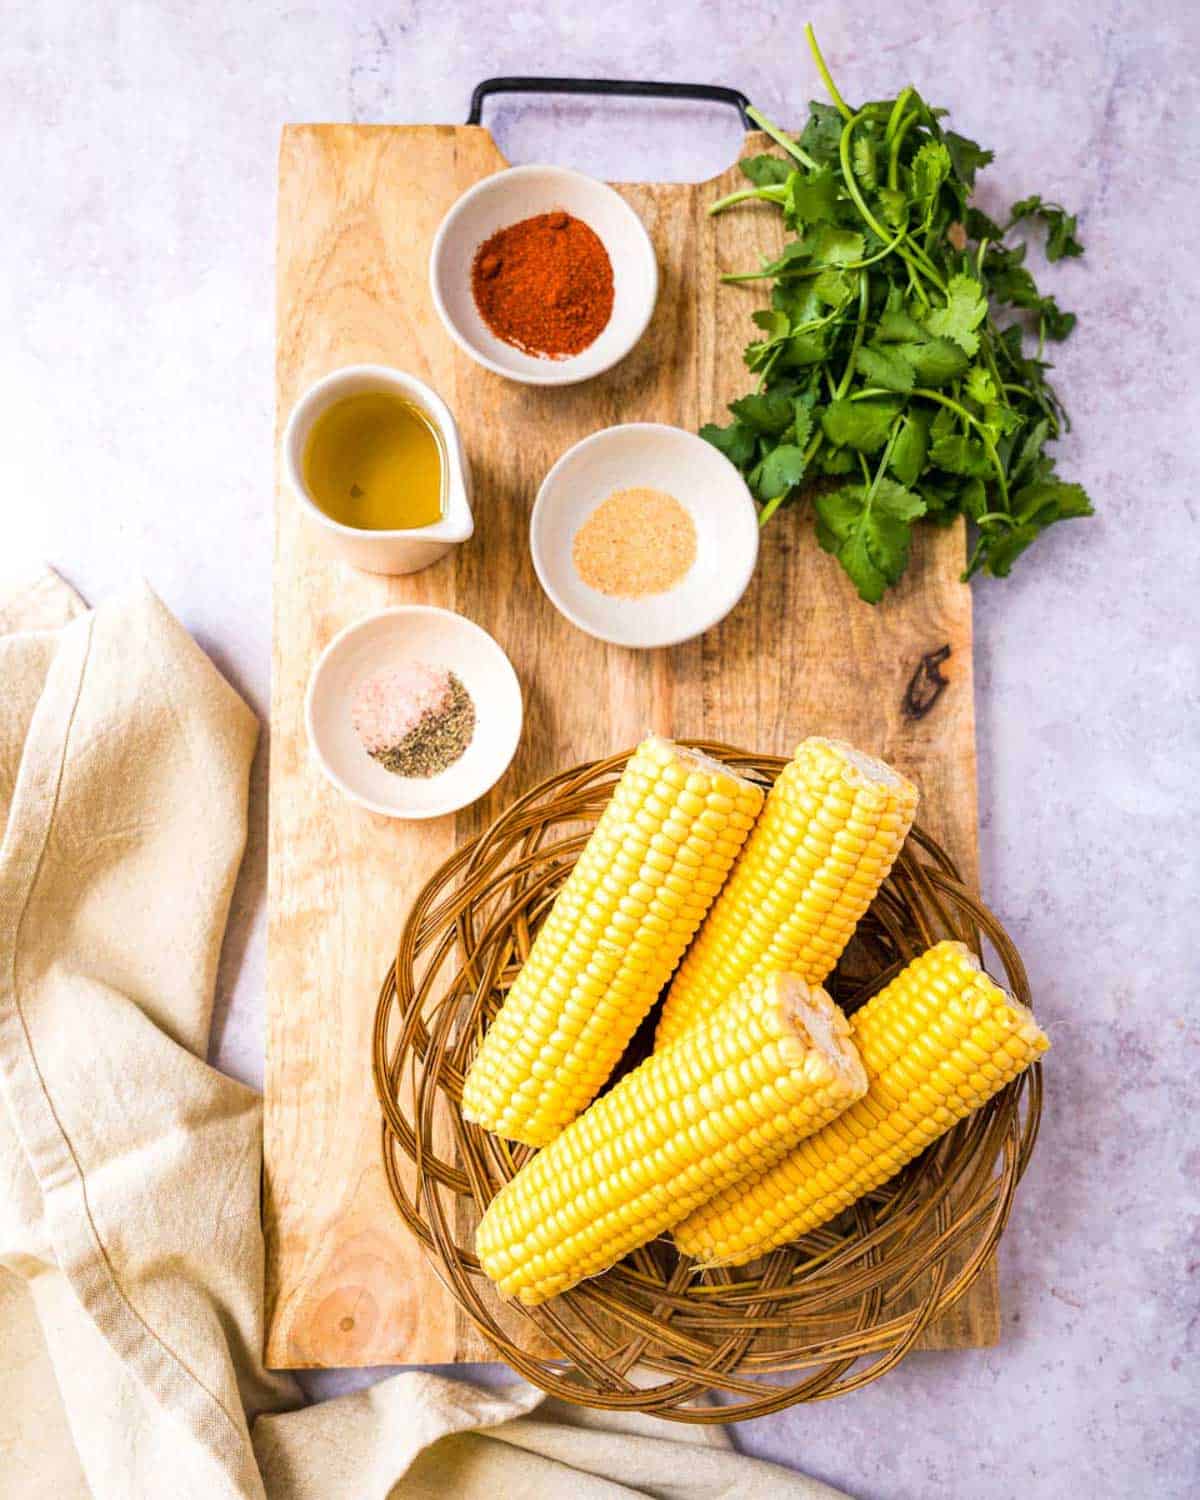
(926, 685)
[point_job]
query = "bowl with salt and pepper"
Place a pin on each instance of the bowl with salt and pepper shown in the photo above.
(543, 275)
(413, 712)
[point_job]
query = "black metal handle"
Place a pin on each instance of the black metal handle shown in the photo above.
(714, 93)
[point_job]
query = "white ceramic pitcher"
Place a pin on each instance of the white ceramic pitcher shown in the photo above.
(401, 551)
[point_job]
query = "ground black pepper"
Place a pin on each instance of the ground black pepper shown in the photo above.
(436, 741)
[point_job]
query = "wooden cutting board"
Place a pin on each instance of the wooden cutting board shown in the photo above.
(358, 207)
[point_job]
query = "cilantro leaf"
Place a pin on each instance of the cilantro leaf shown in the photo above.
(979, 385)
(804, 349)
(1010, 282)
(765, 171)
(863, 160)
(999, 419)
(1035, 506)
(822, 136)
(945, 495)
(1061, 242)
(783, 469)
(1025, 462)
(911, 447)
(894, 205)
(965, 309)
(838, 461)
(1006, 547)
(799, 300)
(972, 498)
(930, 168)
(736, 441)
(791, 258)
(803, 425)
(899, 327)
(776, 323)
(1056, 323)
(1049, 500)
(886, 365)
(980, 227)
(812, 199)
(770, 413)
(834, 288)
(868, 528)
(967, 157)
(862, 425)
(938, 362)
(961, 455)
(836, 247)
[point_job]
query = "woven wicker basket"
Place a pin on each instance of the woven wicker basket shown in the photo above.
(813, 1320)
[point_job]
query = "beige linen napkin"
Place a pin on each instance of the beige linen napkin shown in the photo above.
(131, 1257)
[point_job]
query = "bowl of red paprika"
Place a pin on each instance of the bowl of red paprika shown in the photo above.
(543, 275)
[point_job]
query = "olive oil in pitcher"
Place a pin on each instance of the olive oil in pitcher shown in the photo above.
(374, 461)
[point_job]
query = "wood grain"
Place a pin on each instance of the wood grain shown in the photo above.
(358, 207)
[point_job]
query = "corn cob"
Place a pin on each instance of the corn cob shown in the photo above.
(937, 1043)
(832, 826)
(773, 1064)
(637, 894)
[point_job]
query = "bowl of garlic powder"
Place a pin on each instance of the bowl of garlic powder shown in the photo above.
(644, 535)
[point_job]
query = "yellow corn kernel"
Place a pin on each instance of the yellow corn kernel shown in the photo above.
(937, 1043)
(768, 1067)
(831, 829)
(629, 908)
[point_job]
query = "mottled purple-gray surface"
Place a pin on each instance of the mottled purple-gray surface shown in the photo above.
(137, 161)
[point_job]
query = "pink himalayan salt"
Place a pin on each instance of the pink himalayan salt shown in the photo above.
(391, 704)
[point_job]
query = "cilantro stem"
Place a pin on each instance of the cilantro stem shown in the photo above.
(770, 508)
(770, 194)
(735, 278)
(858, 265)
(864, 297)
(996, 515)
(771, 361)
(913, 255)
(914, 284)
(905, 126)
(872, 481)
(851, 181)
(897, 111)
(989, 358)
(883, 463)
(973, 563)
(843, 108)
(793, 148)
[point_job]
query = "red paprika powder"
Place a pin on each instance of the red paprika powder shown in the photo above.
(544, 285)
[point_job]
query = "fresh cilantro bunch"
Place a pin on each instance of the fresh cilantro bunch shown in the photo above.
(883, 370)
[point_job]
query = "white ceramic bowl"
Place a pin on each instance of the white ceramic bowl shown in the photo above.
(661, 458)
(401, 551)
(439, 637)
(521, 193)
